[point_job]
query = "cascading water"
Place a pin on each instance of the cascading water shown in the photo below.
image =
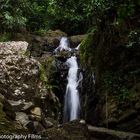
(72, 102)
(64, 45)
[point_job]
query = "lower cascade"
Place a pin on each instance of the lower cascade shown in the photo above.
(72, 102)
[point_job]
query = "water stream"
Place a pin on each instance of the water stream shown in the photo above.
(71, 99)
(64, 45)
(72, 102)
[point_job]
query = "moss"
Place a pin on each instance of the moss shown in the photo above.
(49, 66)
(42, 74)
(46, 69)
(87, 50)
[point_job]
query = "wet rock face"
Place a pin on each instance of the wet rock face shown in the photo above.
(89, 98)
(22, 91)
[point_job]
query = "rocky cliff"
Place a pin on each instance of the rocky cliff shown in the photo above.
(110, 59)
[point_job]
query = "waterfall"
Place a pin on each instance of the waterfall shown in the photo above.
(71, 99)
(72, 102)
(64, 45)
(77, 48)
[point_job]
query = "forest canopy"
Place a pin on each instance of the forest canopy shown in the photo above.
(70, 16)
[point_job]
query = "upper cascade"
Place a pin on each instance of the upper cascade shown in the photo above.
(64, 45)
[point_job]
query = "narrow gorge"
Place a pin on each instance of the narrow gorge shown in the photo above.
(70, 70)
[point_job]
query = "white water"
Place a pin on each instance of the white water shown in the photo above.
(77, 48)
(64, 45)
(72, 102)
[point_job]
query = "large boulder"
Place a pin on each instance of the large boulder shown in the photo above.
(76, 40)
(7, 125)
(23, 87)
(19, 73)
(46, 43)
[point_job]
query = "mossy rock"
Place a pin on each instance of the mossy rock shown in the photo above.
(86, 50)
(76, 40)
(56, 33)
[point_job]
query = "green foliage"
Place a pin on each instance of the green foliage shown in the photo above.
(41, 32)
(37, 15)
(71, 16)
(42, 74)
(5, 37)
(43, 77)
(114, 85)
(11, 15)
(22, 13)
(125, 11)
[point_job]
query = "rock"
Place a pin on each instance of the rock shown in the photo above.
(47, 43)
(18, 71)
(1, 96)
(69, 131)
(128, 116)
(110, 122)
(103, 133)
(56, 33)
(38, 127)
(22, 118)
(27, 106)
(36, 112)
(19, 74)
(16, 105)
(31, 127)
(22, 87)
(132, 125)
(48, 124)
(8, 109)
(52, 42)
(137, 106)
(8, 126)
(9, 48)
(76, 40)
(82, 121)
